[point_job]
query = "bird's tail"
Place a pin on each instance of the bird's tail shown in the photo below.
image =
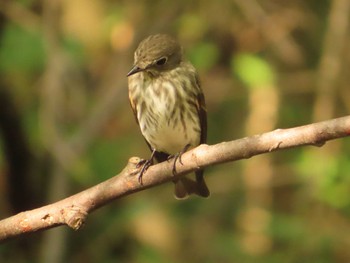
(186, 186)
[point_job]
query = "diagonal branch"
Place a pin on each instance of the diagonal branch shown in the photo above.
(73, 210)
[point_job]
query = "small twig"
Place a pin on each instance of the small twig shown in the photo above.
(73, 210)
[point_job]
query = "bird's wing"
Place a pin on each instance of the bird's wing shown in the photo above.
(202, 113)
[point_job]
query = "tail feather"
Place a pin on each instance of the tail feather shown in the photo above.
(202, 187)
(185, 187)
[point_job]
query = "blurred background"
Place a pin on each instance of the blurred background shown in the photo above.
(66, 125)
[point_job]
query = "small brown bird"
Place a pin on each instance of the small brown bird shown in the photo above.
(169, 106)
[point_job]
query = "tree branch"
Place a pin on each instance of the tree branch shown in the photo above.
(73, 210)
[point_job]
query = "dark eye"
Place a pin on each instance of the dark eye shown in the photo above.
(161, 61)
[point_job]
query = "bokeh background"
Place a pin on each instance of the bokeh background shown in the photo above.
(66, 124)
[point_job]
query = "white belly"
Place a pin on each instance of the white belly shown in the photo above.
(172, 131)
(171, 139)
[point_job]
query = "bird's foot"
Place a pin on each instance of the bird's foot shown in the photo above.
(177, 157)
(144, 164)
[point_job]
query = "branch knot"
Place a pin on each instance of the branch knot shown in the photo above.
(74, 216)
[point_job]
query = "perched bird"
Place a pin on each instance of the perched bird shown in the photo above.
(169, 106)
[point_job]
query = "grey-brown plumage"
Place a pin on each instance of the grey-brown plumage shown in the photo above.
(168, 104)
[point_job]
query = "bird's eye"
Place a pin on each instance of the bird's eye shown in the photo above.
(161, 61)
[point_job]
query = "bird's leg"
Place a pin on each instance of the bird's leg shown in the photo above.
(178, 157)
(145, 164)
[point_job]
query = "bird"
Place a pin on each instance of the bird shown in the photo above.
(169, 106)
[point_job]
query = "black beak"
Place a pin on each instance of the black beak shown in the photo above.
(134, 70)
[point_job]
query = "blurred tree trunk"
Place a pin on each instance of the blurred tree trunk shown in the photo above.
(258, 173)
(54, 243)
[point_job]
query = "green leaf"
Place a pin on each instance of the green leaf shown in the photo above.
(253, 70)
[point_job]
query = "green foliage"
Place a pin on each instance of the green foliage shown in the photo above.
(329, 176)
(204, 55)
(287, 228)
(21, 50)
(148, 254)
(252, 70)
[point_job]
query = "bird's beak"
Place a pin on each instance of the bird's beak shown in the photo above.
(134, 70)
